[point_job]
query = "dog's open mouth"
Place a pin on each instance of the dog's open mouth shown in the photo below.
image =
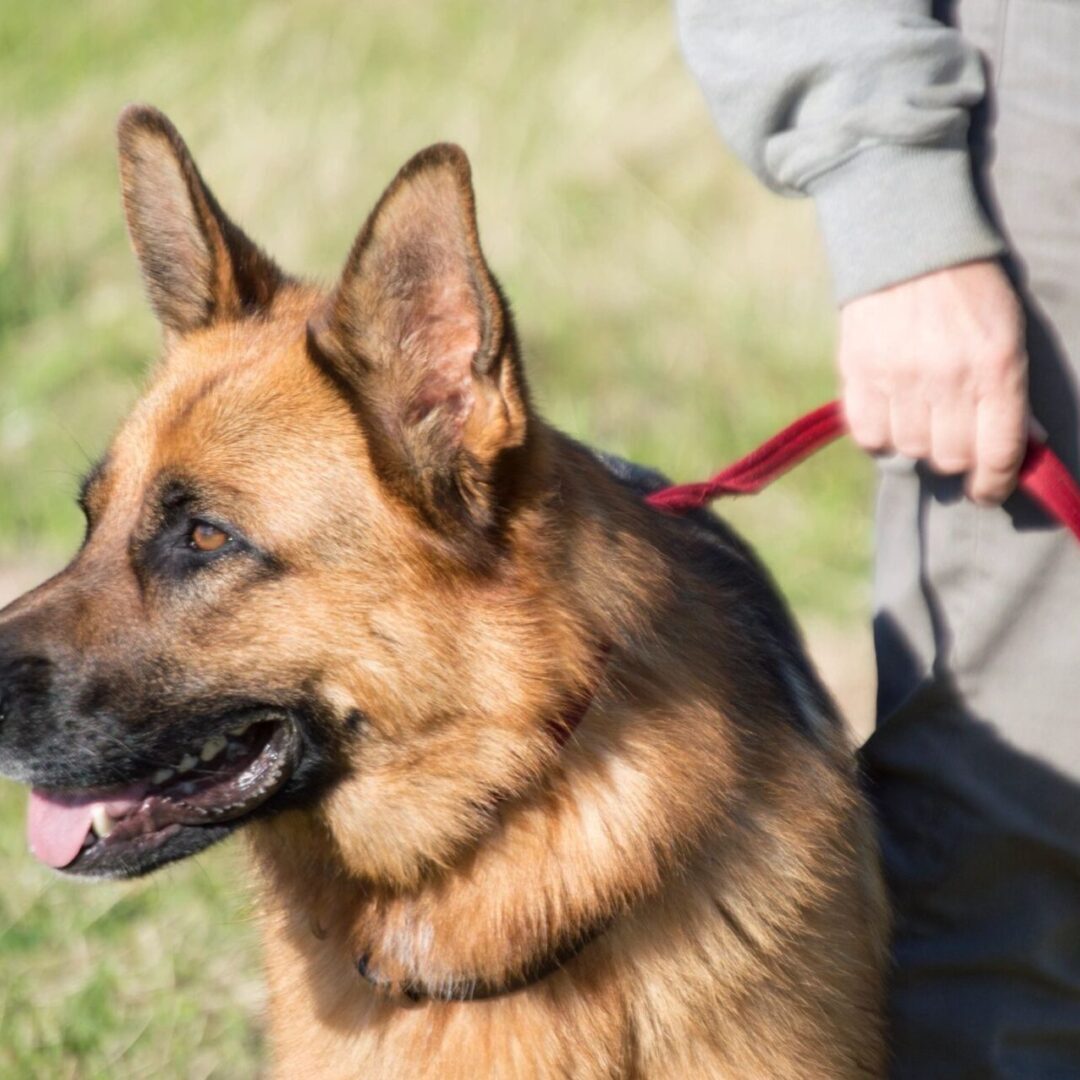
(176, 810)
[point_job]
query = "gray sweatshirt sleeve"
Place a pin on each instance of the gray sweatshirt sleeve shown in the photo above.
(861, 104)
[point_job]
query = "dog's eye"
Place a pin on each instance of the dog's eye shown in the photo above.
(207, 537)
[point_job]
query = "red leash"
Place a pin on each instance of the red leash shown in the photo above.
(1042, 476)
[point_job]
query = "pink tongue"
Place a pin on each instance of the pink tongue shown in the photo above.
(56, 825)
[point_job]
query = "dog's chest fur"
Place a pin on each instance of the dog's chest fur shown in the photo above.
(723, 858)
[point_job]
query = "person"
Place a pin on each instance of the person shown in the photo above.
(941, 147)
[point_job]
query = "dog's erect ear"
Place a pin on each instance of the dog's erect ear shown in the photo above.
(198, 266)
(417, 334)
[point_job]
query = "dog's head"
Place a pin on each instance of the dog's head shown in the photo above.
(302, 577)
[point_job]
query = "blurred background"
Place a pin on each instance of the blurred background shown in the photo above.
(671, 311)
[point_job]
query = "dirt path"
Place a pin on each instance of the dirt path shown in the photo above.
(844, 657)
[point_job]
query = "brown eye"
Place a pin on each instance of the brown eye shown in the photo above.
(206, 537)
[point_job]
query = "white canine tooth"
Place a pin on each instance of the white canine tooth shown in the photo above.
(212, 747)
(162, 775)
(100, 821)
(187, 763)
(239, 730)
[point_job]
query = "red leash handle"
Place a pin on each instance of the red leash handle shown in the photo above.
(1043, 476)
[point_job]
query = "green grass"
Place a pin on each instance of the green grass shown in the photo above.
(158, 978)
(670, 309)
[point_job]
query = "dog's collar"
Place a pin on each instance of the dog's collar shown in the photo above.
(561, 729)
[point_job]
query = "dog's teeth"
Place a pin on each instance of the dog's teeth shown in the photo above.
(100, 821)
(239, 730)
(187, 763)
(162, 775)
(212, 747)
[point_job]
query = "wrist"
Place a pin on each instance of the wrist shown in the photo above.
(890, 214)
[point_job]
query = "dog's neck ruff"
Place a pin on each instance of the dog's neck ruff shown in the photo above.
(578, 704)
(470, 989)
(561, 729)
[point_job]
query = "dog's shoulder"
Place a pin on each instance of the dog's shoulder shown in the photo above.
(717, 552)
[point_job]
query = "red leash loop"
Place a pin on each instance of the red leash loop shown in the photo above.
(760, 467)
(1043, 476)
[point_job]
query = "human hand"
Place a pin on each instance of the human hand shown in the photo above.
(936, 368)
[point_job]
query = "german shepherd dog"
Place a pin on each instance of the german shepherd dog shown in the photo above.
(537, 781)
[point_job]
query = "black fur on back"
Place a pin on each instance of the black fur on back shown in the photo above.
(723, 554)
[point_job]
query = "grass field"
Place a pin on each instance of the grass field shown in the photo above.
(670, 311)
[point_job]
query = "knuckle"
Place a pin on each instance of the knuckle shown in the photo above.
(913, 446)
(1001, 361)
(952, 375)
(988, 492)
(950, 464)
(868, 436)
(911, 433)
(871, 444)
(865, 421)
(1003, 454)
(907, 369)
(862, 369)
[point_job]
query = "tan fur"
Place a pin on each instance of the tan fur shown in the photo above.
(721, 856)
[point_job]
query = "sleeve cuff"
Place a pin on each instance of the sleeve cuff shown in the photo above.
(891, 213)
